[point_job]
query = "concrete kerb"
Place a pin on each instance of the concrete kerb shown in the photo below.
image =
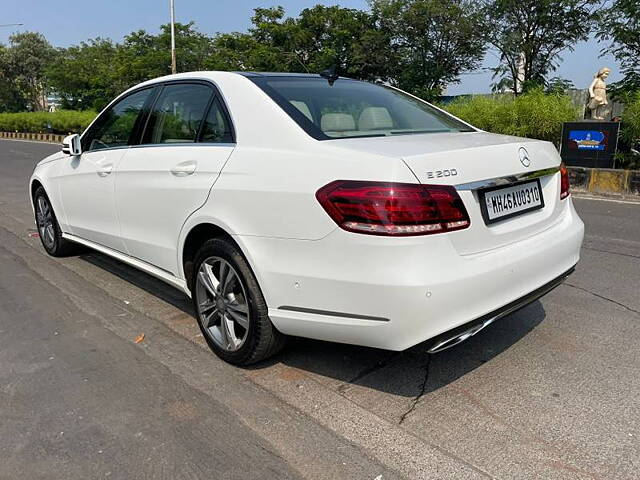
(605, 181)
(39, 137)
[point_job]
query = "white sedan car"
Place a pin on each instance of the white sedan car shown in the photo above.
(315, 206)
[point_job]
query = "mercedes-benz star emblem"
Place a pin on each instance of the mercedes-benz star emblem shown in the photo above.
(524, 157)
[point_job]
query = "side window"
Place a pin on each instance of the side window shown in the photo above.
(115, 126)
(178, 114)
(216, 128)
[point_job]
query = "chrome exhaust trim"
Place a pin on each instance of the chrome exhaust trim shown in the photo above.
(461, 337)
(450, 339)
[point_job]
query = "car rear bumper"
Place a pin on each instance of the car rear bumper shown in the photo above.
(457, 335)
(393, 293)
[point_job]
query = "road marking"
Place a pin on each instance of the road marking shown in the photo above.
(605, 199)
(30, 141)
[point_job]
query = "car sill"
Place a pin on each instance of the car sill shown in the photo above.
(134, 262)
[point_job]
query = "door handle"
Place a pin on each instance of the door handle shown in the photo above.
(105, 170)
(184, 168)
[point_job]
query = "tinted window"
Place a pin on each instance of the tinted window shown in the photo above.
(216, 128)
(114, 128)
(351, 108)
(178, 114)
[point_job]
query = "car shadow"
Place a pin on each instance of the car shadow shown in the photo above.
(411, 372)
(142, 280)
(342, 366)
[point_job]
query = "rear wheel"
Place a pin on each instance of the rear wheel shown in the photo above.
(48, 227)
(229, 305)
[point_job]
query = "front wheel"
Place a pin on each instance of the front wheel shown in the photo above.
(231, 311)
(48, 227)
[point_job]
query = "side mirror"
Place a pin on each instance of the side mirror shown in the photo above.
(71, 145)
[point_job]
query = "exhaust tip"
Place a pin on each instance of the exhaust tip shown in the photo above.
(454, 340)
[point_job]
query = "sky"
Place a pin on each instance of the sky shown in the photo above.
(68, 22)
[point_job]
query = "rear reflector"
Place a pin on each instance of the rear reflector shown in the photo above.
(564, 181)
(396, 209)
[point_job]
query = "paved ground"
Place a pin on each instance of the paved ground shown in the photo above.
(549, 392)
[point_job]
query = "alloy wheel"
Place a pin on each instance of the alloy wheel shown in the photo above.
(222, 304)
(44, 218)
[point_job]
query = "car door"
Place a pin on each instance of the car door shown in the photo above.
(86, 182)
(187, 140)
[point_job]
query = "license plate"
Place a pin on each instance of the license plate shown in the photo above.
(500, 203)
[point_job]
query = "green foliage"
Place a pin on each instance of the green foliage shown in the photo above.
(559, 85)
(62, 121)
(89, 75)
(85, 76)
(631, 119)
(320, 37)
(419, 45)
(432, 41)
(627, 161)
(22, 71)
(533, 114)
(530, 34)
(620, 24)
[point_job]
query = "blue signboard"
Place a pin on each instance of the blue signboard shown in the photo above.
(589, 143)
(588, 139)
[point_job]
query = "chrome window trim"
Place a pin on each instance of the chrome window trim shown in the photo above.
(159, 83)
(507, 179)
(107, 149)
(122, 96)
(183, 144)
(144, 145)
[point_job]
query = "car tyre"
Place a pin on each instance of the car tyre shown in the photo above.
(231, 311)
(49, 228)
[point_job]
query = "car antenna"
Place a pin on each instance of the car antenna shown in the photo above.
(330, 74)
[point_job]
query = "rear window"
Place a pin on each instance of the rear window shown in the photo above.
(351, 108)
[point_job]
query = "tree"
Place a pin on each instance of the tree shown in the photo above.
(143, 56)
(529, 36)
(10, 99)
(434, 41)
(22, 71)
(321, 37)
(344, 38)
(559, 85)
(90, 75)
(620, 24)
(85, 76)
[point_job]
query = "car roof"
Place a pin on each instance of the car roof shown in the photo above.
(283, 74)
(212, 74)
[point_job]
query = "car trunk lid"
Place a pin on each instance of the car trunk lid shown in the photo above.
(474, 161)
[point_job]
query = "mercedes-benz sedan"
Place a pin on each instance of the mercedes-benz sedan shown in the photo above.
(313, 206)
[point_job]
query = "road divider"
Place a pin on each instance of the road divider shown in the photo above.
(605, 181)
(40, 137)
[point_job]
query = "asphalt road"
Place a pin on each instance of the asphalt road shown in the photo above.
(549, 392)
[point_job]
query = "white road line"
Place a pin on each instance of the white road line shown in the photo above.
(30, 141)
(605, 199)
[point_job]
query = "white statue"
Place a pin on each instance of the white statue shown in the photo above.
(598, 94)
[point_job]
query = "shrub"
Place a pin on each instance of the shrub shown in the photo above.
(534, 114)
(62, 121)
(631, 119)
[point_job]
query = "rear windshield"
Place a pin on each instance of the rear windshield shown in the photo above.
(351, 108)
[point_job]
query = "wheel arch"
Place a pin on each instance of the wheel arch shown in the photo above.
(193, 240)
(33, 186)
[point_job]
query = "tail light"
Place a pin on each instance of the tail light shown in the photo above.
(564, 181)
(395, 209)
